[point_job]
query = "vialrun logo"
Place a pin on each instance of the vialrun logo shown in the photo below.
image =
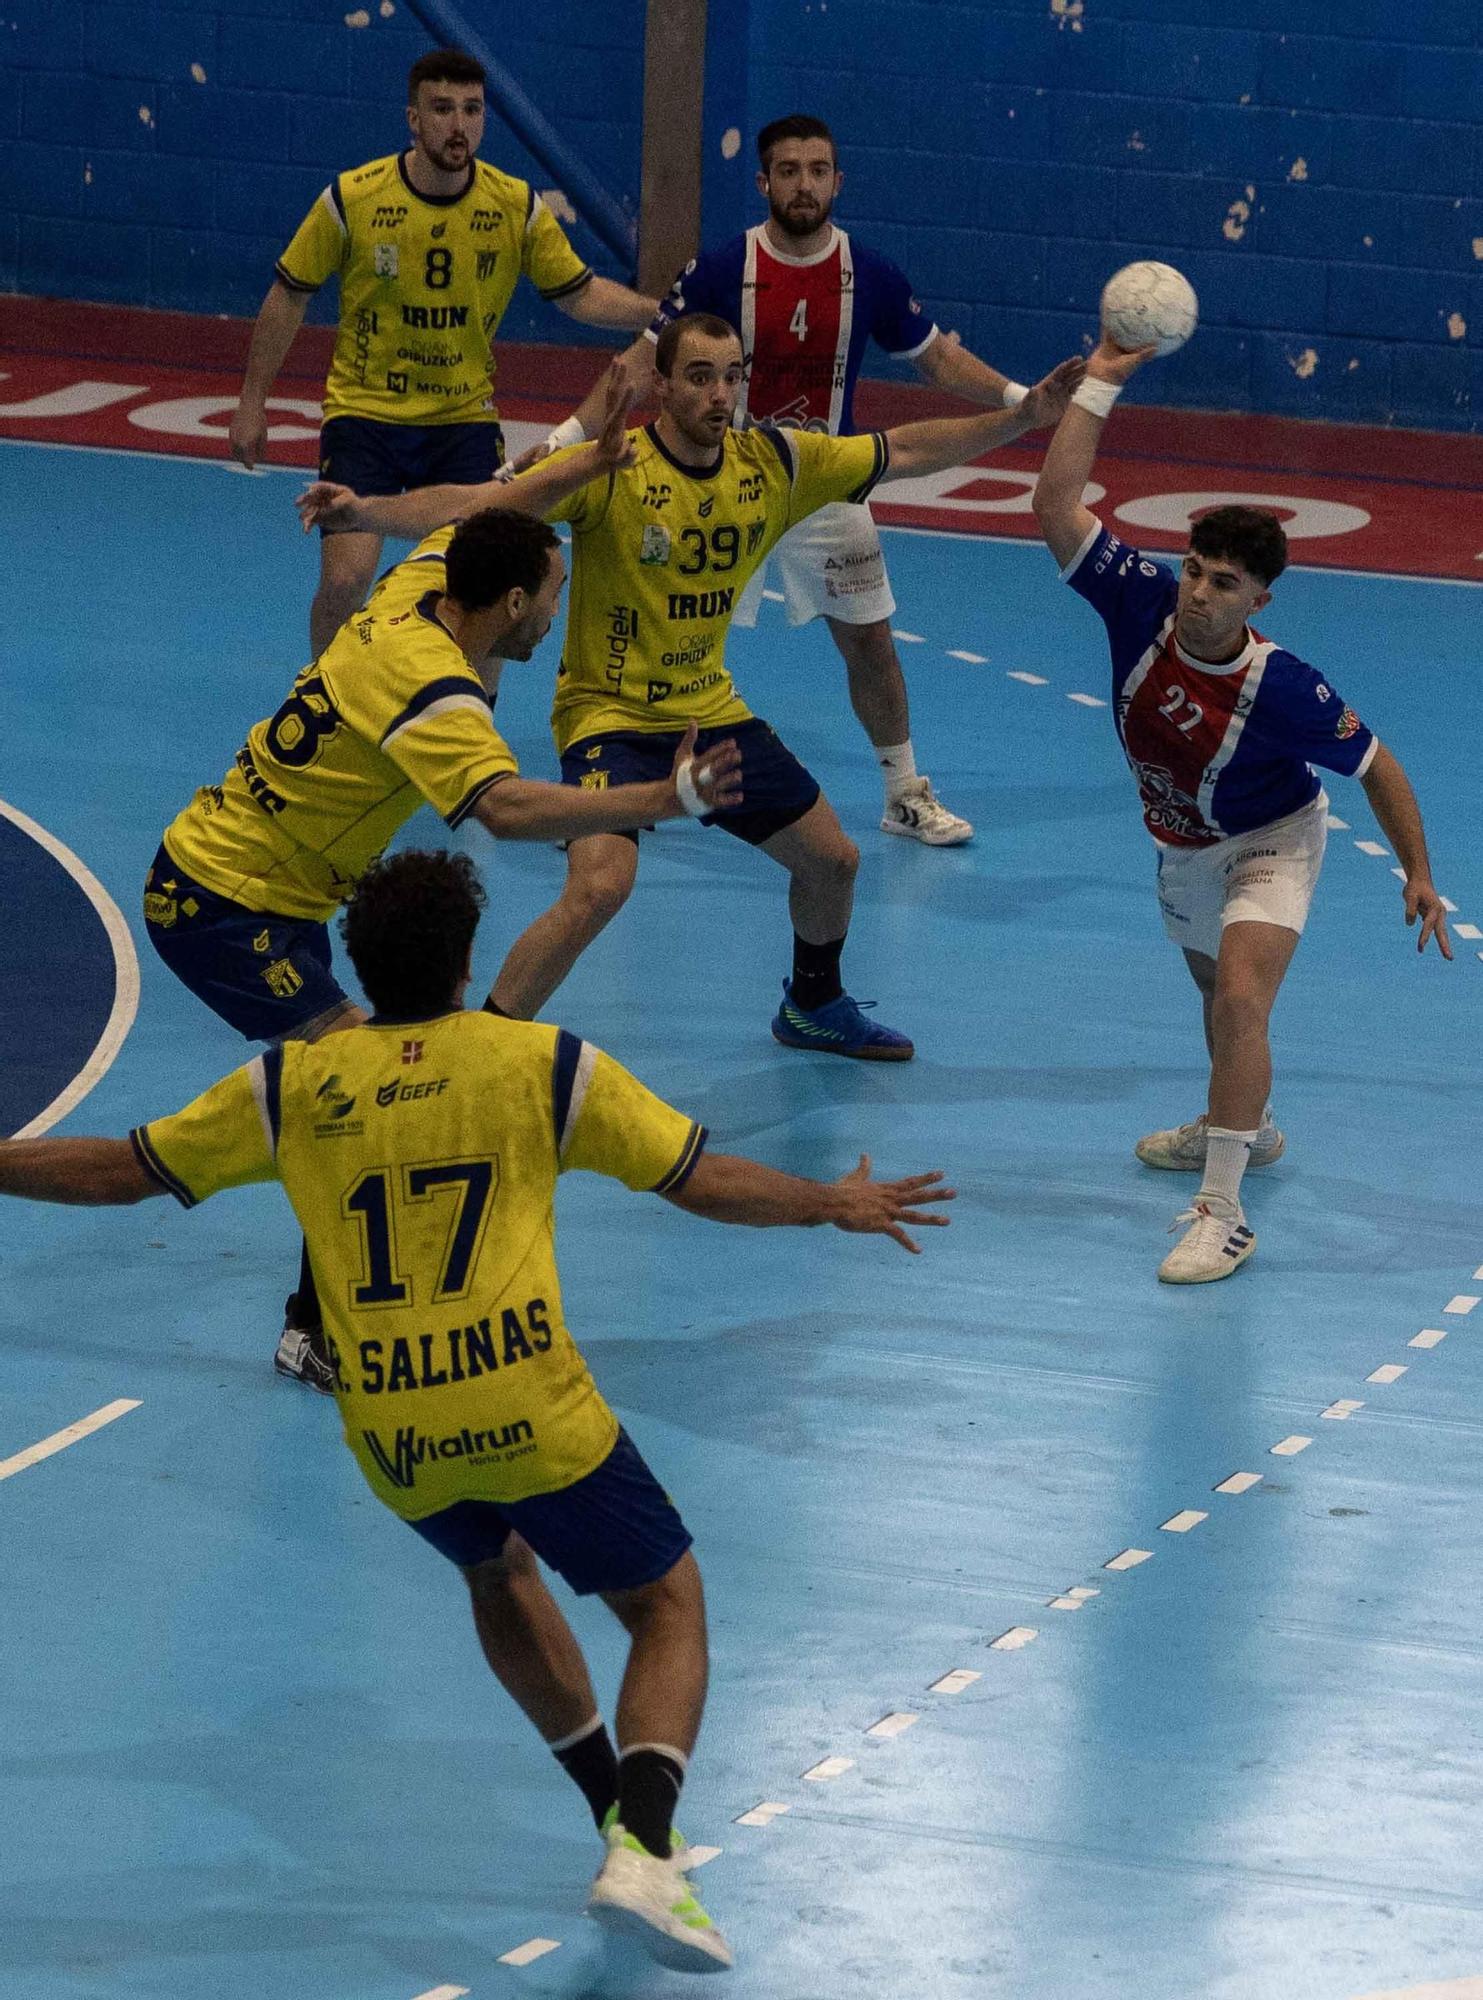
(410, 1449)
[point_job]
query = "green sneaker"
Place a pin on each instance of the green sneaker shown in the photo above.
(639, 1896)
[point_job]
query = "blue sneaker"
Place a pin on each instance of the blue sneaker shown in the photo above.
(839, 1029)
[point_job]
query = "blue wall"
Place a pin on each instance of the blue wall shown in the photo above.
(1318, 171)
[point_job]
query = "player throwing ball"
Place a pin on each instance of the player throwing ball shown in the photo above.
(662, 549)
(1222, 729)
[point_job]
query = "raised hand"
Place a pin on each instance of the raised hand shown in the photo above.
(879, 1208)
(1110, 363)
(1045, 405)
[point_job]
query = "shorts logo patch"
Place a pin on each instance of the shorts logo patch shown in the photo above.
(281, 979)
(594, 781)
(262, 942)
(160, 911)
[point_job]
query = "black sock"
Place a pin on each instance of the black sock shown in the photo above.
(649, 1781)
(303, 1307)
(591, 1763)
(815, 980)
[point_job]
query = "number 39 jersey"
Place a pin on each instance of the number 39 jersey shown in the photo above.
(421, 1160)
(424, 283)
(390, 714)
(661, 553)
(1216, 750)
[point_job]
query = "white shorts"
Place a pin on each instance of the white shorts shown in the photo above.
(1264, 877)
(830, 566)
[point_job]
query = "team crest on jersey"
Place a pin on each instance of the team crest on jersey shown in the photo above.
(384, 260)
(1348, 725)
(484, 263)
(281, 979)
(654, 548)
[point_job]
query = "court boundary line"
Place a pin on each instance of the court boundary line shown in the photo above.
(70, 1434)
(125, 976)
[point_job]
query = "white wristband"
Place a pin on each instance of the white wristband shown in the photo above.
(1014, 394)
(1096, 396)
(690, 799)
(571, 432)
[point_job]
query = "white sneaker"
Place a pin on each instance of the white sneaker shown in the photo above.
(651, 1901)
(915, 810)
(1182, 1148)
(1210, 1248)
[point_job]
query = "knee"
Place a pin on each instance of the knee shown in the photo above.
(495, 1584)
(1237, 1010)
(597, 895)
(834, 864)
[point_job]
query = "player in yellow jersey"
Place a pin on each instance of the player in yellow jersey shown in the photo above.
(396, 711)
(662, 550)
(428, 246)
(421, 1152)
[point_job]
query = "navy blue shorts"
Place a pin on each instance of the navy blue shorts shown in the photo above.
(776, 789)
(372, 457)
(617, 1529)
(266, 976)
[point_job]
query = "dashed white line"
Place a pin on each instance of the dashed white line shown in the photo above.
(1372, 847)
(1429, 1336)
(1345, 1407)
(895, 1724)
(443, 1993)
(1088, 700)
(827, 1768)
(1129, 1559)
(1030, 680)
(697, 1857)
(955, 1682)
(523, 1954)
(1448, 905)
(908, 638)
(762, 1814)
(1289, 1447)
(59, 1440)
(1239, 1482)
(1183, 1521)
(971, 659)
(1012, 1640)
(1479, 1272)
(1466, 931)
(1337, 825)
(1463, 1303)
(1391, 1372)
(774, 597)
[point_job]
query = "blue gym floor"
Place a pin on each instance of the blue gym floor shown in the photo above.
(250, 1746)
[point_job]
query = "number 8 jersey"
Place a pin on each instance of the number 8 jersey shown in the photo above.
(660, 554)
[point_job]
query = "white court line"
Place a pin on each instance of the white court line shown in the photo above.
(908, 638)
(774, 597)
(1012, 1640)
(1463, 1303)
(697, 1857)
(1345, 1407)
(892, 1725)
(1088, 700)
(1448, 905)
(1429, 1336)
(1466, 931)
(955, 1682)
(1130, 1559)
(762, 1814)
(59, 1440)
(523, 1954)
(1372, 847)
(827, 1768)
(1289, 1447)
(973, 659)
(1239, 1482)
(1391, 1372)
(125, 977)
(444, 1992)
(1337, 825)
(1030, 680)
(1183, 1521)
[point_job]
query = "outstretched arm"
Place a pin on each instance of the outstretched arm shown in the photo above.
(532, 809)
(727, 1188)
(947, 364)
(1065, 519)
(942, 442)
(1394, 804)
(91, 1173)
(604, 302)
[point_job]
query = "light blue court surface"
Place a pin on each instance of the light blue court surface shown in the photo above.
(250, 1748)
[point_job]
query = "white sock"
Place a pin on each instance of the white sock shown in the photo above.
(898, 765)
(1226, 1154)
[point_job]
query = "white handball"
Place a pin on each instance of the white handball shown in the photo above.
(1149, 304)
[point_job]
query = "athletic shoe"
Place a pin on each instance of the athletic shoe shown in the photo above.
(915, 810)
(839, 1029)
(1210, 1248)
(638, 1896)
(679, 1847)
(302, 1355)
(1182, 1148)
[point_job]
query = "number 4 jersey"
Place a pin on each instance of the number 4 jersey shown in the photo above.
(421, 1159)
(390, 714)
(1216, 750)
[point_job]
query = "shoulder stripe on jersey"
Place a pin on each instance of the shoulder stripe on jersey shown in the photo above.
(472, 797)
(155, 1167)
(287, 279)
(480, 704)
(531, 198)
(684, 1166)
(1368, 759)
(571, 1073)
(436, 691)
(583, 277)
(265, 1072)
(1093, 534)
(787, 457)
(335, 202)
(877, 469)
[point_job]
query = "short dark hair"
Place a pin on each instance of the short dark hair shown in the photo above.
(797, 125)
(667, 345)
(443, 66)
(497, 551)
(1251, 536)
(408, 929)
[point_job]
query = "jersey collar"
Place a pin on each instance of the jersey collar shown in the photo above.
(434, 200)
(651, 432)
(1237, 666)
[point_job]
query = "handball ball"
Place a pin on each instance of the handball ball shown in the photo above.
(1149, 305)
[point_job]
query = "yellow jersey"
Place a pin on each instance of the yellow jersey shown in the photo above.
(424, 283)
(390, 714)
(661, 552)
(421, 1159)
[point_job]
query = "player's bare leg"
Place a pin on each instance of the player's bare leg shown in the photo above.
(1253, 961)
(600, 873)
(664, 1685)
(878, 697)
(303, 1353)
(1181, 1148)
(347, 569)
(822, 862)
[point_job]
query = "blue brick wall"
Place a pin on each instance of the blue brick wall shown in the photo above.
(1316, 171)
(162, 152)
